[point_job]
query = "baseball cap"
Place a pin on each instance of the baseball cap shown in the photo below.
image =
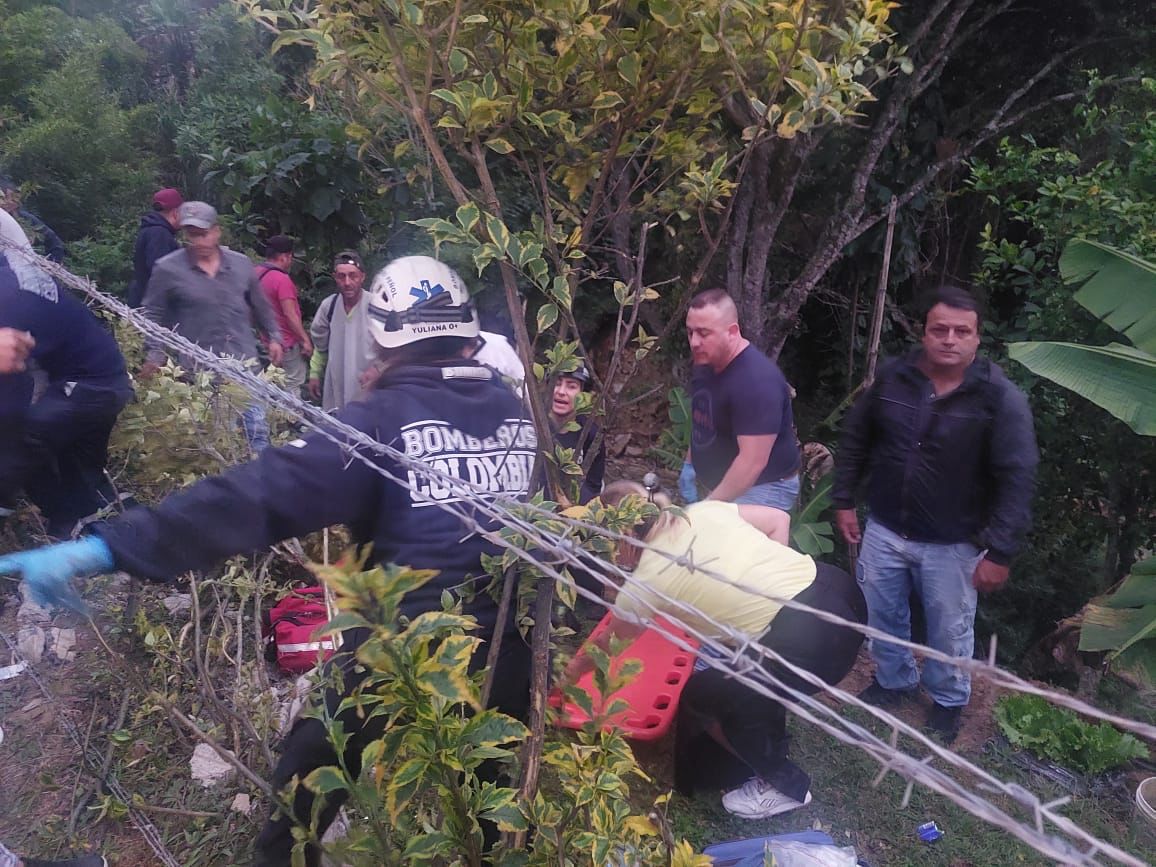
(202, 215)
(168, 199)
(349, 257)
(278, 244)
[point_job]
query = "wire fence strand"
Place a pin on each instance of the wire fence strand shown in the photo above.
(551, 553)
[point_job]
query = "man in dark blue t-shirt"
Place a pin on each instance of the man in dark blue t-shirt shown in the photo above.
(743, 446)
(56, 449)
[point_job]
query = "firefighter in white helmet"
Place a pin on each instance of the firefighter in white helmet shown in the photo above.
(434, 403)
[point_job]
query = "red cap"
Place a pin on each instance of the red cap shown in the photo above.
(168, 199)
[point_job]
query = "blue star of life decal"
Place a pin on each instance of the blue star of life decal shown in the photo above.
(425, 291)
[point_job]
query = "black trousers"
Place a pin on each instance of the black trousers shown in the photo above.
(60, 459)
(307, 746)
(754, 725)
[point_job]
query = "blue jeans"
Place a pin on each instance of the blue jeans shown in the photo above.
(782, 494)
(256, 427)
(889, 568)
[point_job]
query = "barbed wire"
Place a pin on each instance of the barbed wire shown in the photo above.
(563, 548)
(508, 510)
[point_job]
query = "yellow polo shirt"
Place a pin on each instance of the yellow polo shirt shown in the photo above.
(716, 539)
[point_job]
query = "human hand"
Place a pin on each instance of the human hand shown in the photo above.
(14, 348)
(848, 523)
(579, 665)
(989, 576)
(306, 348)
(314, 386)
(368, 377)
(49, 571)
(686, 483)
(276, 353)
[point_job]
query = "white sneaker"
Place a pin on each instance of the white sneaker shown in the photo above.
(758, 799)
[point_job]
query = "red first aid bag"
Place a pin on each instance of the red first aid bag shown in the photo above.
(290, 627)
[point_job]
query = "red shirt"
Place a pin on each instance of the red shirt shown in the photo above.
(279, 287)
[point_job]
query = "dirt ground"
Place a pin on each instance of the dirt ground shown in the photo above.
(978, 722)
(48, 796)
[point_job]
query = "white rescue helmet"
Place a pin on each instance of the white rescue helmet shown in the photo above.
(417, 297)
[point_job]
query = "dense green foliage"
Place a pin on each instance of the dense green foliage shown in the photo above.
(1032, 723)
(1096, 489)
(102, 102)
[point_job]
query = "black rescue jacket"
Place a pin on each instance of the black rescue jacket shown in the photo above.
(459, 419)
(957, 468)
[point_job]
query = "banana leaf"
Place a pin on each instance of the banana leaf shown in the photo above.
(1120, 289)
(1124, 624)
(808, 534)
(1117, 378)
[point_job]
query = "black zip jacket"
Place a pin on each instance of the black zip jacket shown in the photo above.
(958, 468)
(459, 419)
(155, 239)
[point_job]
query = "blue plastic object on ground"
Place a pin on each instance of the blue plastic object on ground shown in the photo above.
(929, 832)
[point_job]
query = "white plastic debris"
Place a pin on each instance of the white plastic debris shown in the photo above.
(208, 768)
(242, 804)
(10, 671)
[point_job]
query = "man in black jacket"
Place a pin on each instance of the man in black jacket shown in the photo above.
(436, 405)
(156, 237)
(946, 446)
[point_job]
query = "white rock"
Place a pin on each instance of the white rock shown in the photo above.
(208, 768)
(30, 640)
(177, 602)
(242, 804)
(63, 643)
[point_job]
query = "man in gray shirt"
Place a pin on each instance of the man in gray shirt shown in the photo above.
(209, 294)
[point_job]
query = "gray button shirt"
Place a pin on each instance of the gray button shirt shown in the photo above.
(216, 313)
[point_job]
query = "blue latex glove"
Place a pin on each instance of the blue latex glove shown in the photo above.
(49, 571)
(686, 482)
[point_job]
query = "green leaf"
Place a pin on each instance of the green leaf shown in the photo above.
(427, 847)
(629, 67)
(500, 146)
(403, 785)
(491, 729)
(1115, 628)
(1137, 590)
(665, 12)
(448, 96)
(814, 539)
(547, 316)
(325, 779)
(498, 232)
(459, 60)
(708, 44)
(467, 216)
(475, 19)
(1117, 378)
(607, 99)
(1120, 289)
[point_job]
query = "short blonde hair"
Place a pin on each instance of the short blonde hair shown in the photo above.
(649, 528)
